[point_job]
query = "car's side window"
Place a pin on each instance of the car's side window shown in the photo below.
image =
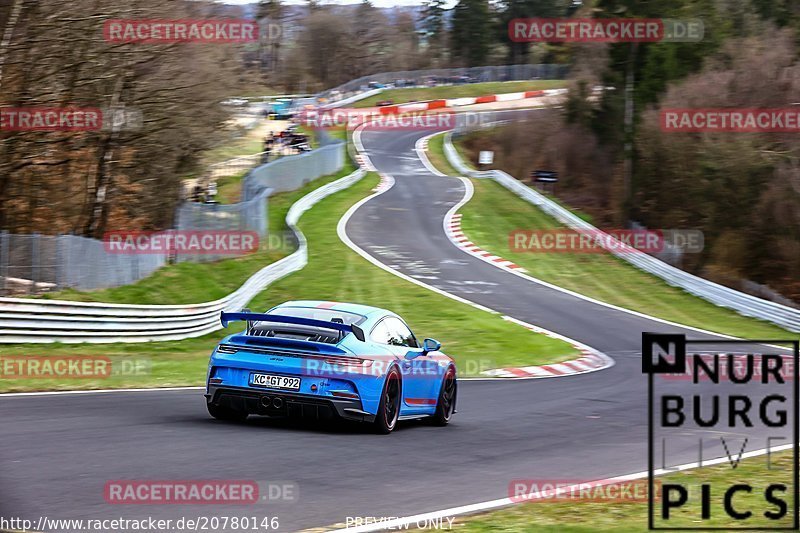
(380, 333)
(399, 334)
(394, 332)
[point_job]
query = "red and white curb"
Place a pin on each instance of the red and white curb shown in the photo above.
(364, 162)
(386, 183)
(458, 102)
(590, 360)
(505, 97)
(456, 235)
(361, 157)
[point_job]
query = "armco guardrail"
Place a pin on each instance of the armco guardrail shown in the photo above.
(412, 78)
(715, 293)
(352, 99)
(38, 321)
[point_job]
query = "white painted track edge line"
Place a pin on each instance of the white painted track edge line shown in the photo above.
(469, 190)
(420, 147)
(468, 194)
(616, 307)
(408, 521)
(96, 391)
(342, 232)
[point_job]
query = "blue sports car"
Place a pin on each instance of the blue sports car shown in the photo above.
(326, 360)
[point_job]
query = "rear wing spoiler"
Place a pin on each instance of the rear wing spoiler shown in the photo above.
(226, 318)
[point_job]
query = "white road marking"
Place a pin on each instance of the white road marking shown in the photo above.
(411, 521)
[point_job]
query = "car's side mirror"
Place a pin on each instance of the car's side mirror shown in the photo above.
(430, 345)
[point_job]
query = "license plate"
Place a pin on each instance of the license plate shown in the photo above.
(275, 382)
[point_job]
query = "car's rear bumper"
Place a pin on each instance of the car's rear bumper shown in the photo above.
(284, 403)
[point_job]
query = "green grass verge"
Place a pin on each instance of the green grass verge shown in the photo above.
(416, 94)
(247, 144)
(437, 158)
(338, 133)
(229, 188)
(576, 516)
(476, 339)
(186, 283)
(494, 212)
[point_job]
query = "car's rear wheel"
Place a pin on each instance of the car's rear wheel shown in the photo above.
(228, 414)
(389, 408)
(446, 405)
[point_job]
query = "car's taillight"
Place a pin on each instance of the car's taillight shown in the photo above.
(226, 349)
(350, 362)
(344, 394)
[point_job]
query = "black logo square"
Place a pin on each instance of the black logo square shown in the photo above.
(663, 353)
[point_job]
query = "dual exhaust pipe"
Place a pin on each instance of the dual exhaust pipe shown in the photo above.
(267, 402)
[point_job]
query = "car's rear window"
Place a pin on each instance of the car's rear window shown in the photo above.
(315, 313)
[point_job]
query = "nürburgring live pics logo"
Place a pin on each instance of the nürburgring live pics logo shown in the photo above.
(728, 405)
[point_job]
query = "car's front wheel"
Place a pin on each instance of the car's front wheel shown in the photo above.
(446, 405)
(228, 414)
(389, 408)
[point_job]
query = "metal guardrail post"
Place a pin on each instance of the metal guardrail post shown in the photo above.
(65, 321)
(59, 260)
(744, 304)
(4, 259)
(36, 259)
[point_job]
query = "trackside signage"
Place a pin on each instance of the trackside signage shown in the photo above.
(713, 401)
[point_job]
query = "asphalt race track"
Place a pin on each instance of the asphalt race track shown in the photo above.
(58, 451)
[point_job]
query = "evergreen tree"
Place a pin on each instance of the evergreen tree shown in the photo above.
(471, 33)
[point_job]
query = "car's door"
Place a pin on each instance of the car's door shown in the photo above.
(419, 370)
